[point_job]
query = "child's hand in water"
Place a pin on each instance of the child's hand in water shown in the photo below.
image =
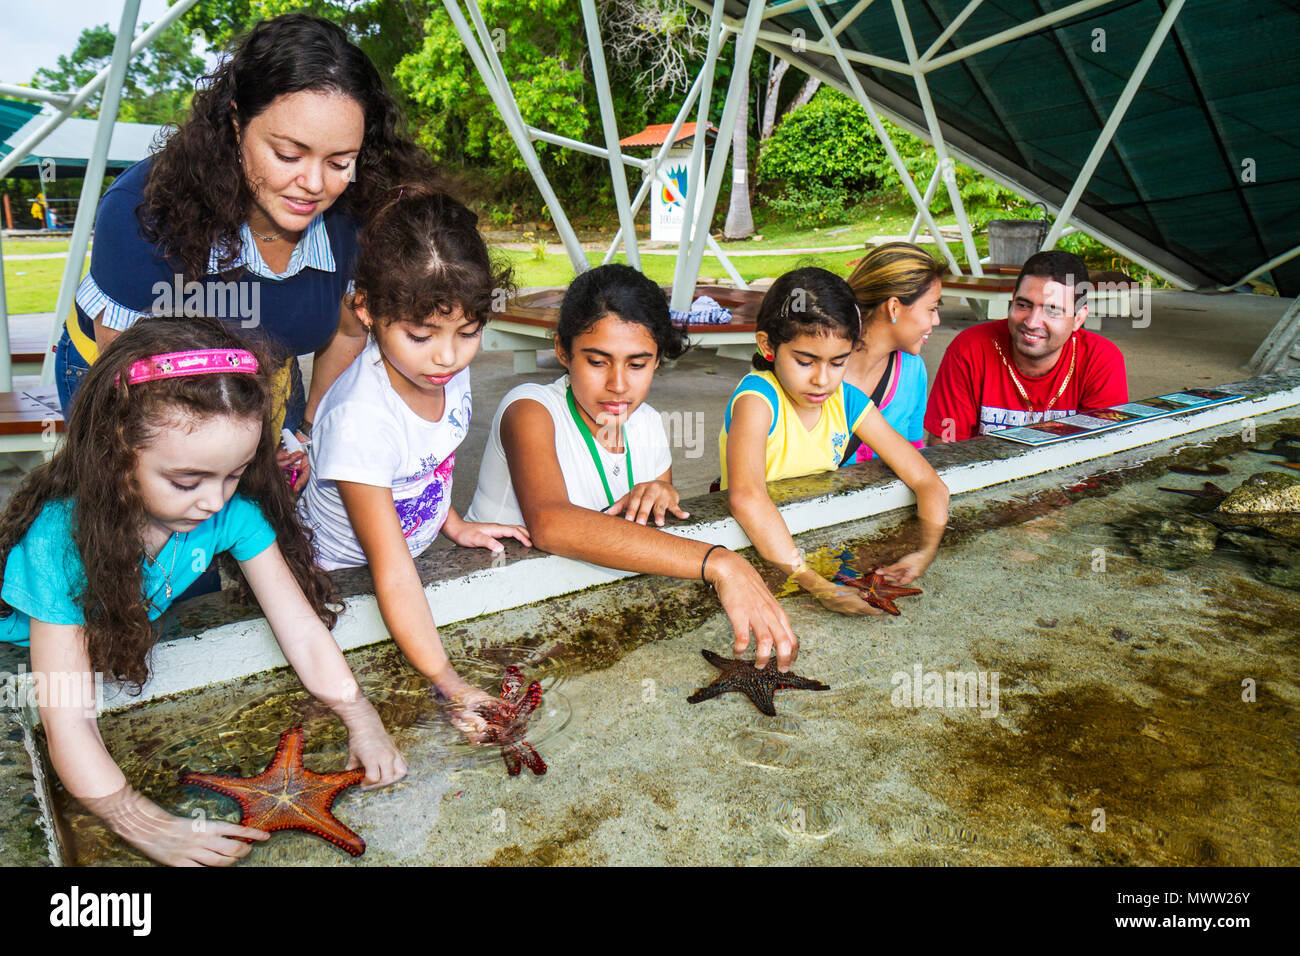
(369, 745)
(907, 568)
(478, 534)
(171, 840)
(836, 597)
(470, 708)
(647, 498)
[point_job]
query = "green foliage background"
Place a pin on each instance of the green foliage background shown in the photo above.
(825, 158)
(818, 168)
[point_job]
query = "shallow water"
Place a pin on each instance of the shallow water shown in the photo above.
(1116, 732)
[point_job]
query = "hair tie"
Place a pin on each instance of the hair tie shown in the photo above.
(195, 362)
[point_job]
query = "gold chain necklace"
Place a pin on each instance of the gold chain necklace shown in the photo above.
(1015, 379)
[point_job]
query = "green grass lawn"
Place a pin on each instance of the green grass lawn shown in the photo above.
(873, 217)
(33, 285)
(555, 270)
(32, 247)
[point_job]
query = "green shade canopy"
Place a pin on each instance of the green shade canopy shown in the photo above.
(69, 144)
(1202, 178)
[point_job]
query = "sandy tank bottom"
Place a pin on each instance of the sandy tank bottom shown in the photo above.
(1128, 715)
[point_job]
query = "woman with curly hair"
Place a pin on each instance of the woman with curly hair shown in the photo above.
(249, 212)
(169, 461)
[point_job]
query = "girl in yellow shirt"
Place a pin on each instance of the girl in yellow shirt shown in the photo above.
(794, 416)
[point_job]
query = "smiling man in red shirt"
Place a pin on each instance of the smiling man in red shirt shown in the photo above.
(1036, 365)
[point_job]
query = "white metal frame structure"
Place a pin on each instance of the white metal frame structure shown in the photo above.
(1070, 214)
(828, 59)
(110, 79)
(478, 42)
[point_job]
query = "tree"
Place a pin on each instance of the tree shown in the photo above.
(775, 75)
(386, 30)
(657, 40)
(740, 219)
(158, 84)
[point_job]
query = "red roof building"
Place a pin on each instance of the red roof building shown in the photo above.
(656, 134)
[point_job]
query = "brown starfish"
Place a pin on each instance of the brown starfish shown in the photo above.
(286, 796)
(509, 720)
(757, 685)
(876, 591)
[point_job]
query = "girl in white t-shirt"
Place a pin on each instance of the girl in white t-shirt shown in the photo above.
(385, 436)
(584, 462)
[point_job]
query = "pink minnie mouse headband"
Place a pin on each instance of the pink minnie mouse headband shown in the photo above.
(196, 362)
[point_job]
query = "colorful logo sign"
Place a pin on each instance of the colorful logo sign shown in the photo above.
(678, 176)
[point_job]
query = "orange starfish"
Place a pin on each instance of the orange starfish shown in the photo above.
(286, 796)
(876, 591)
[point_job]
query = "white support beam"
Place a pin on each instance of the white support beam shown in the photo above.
(1280, 343)
(1112, 122)
(803, 44)
(649, 170)
(716, 249)
(683, 281)
(1255, 273)
(6, 368)
(487, 64)
(578, 146)
(950, 29)
(609, 124)
(846, 21)
(94, 178)
(944, 162)
(174, 13)
(855, 86)
(1014, 33)
(717, 166)
(31, 93)
(792, 6)
(927, 199)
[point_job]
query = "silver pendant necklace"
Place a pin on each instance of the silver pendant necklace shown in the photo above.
(167, 575)
(270, 238)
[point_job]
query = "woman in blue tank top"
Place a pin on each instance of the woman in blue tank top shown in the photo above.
(897, 287)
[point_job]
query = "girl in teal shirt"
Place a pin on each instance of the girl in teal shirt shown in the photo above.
(169, 460)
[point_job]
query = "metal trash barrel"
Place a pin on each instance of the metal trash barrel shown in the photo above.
(1012, 241)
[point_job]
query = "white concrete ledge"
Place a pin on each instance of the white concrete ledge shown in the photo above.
(248, 647)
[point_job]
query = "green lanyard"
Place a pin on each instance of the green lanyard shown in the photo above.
(595, 455)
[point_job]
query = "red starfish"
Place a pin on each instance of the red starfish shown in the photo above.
(509, 721)
(876, 591)
(285, 796)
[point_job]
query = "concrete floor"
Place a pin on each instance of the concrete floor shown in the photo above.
(1191, 339)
